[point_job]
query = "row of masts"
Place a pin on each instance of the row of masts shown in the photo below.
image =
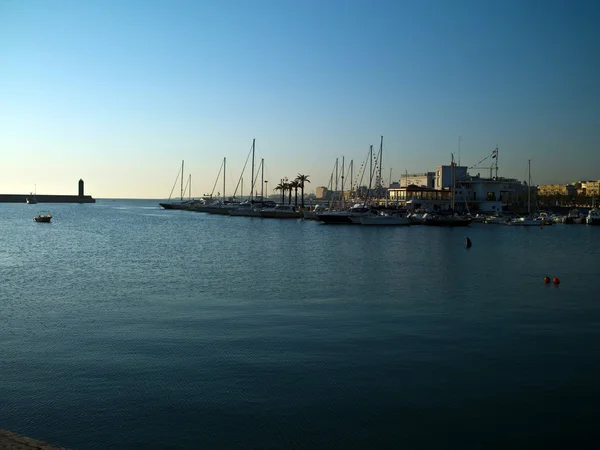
(223, 169)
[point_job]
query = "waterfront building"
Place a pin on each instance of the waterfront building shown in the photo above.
(443, 175)
(426, 179)
(546, 190)
(591, 188)
(321, 192)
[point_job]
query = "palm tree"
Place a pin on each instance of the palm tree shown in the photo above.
(301, 179)
(288, 187)
(281, 187)
(295, 185)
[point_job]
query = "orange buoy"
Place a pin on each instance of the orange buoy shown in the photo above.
(546, 280)
(556, 281)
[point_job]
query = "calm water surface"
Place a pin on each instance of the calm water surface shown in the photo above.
(126, 326)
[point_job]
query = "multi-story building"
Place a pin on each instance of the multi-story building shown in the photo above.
(592, 188)
(426, 179)
(443, 175)
(321, 192)
(556, 189)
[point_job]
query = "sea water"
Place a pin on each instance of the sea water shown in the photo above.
(126, 326)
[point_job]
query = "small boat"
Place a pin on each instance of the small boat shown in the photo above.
(31, 200)
(46, 218)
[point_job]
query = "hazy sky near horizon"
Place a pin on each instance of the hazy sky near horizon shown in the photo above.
(119, 92)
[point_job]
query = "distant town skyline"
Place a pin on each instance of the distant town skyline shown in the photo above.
(119, 93)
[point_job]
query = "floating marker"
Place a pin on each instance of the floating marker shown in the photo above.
(546, 280)
(556, 281)
(468, 243)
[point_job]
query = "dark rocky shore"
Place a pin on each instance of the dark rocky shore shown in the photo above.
(14, 441)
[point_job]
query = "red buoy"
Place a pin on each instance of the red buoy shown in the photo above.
(546, 280)
(556, 281)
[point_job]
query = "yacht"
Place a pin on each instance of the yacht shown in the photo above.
(593, 217)
(349, 216)
(281, 212)
(251, 208)
(384, 219)
(575, 217)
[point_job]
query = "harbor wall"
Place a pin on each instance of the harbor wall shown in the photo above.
(20, 198)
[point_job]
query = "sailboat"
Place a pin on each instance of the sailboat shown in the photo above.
(252, 206)
(181, 204)
(527, 221)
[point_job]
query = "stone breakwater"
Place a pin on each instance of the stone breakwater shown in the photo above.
(14, 441)
(20, 198)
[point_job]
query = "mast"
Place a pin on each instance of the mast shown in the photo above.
(453, 181)
(496, 162)
(351, 177)
(252, 185)
(343, 196)
(380, 187)
(459, 138)
(224, 172)
(370, 174)
(336, 174)
(262, 177)
(182, 180)
(190, 184)
(529, 187)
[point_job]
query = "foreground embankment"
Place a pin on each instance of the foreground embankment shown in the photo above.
(14, 441)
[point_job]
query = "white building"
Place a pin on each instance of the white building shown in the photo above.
(426, 179)
(443, 176)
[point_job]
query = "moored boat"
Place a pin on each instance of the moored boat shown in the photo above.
(281, 212)
(350, 216)
(45, 218)
(593, 217)
(575, 217)
(384, 220)
(448, 221)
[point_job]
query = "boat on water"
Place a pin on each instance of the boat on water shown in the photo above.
(251, 208)
(384, 220)
(311, 214)
(349, 216)
(575, 217)
(447, 221)
(281, 212)
(593, 217)
(181, 204)
(44, 218)
(496, 219)
(526, 222)
(31, 200)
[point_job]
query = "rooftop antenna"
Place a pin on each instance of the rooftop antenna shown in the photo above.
(459, 138)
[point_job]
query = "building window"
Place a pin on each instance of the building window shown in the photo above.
(491, 196)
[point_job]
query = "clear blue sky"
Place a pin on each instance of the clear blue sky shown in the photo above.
(119, 92)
